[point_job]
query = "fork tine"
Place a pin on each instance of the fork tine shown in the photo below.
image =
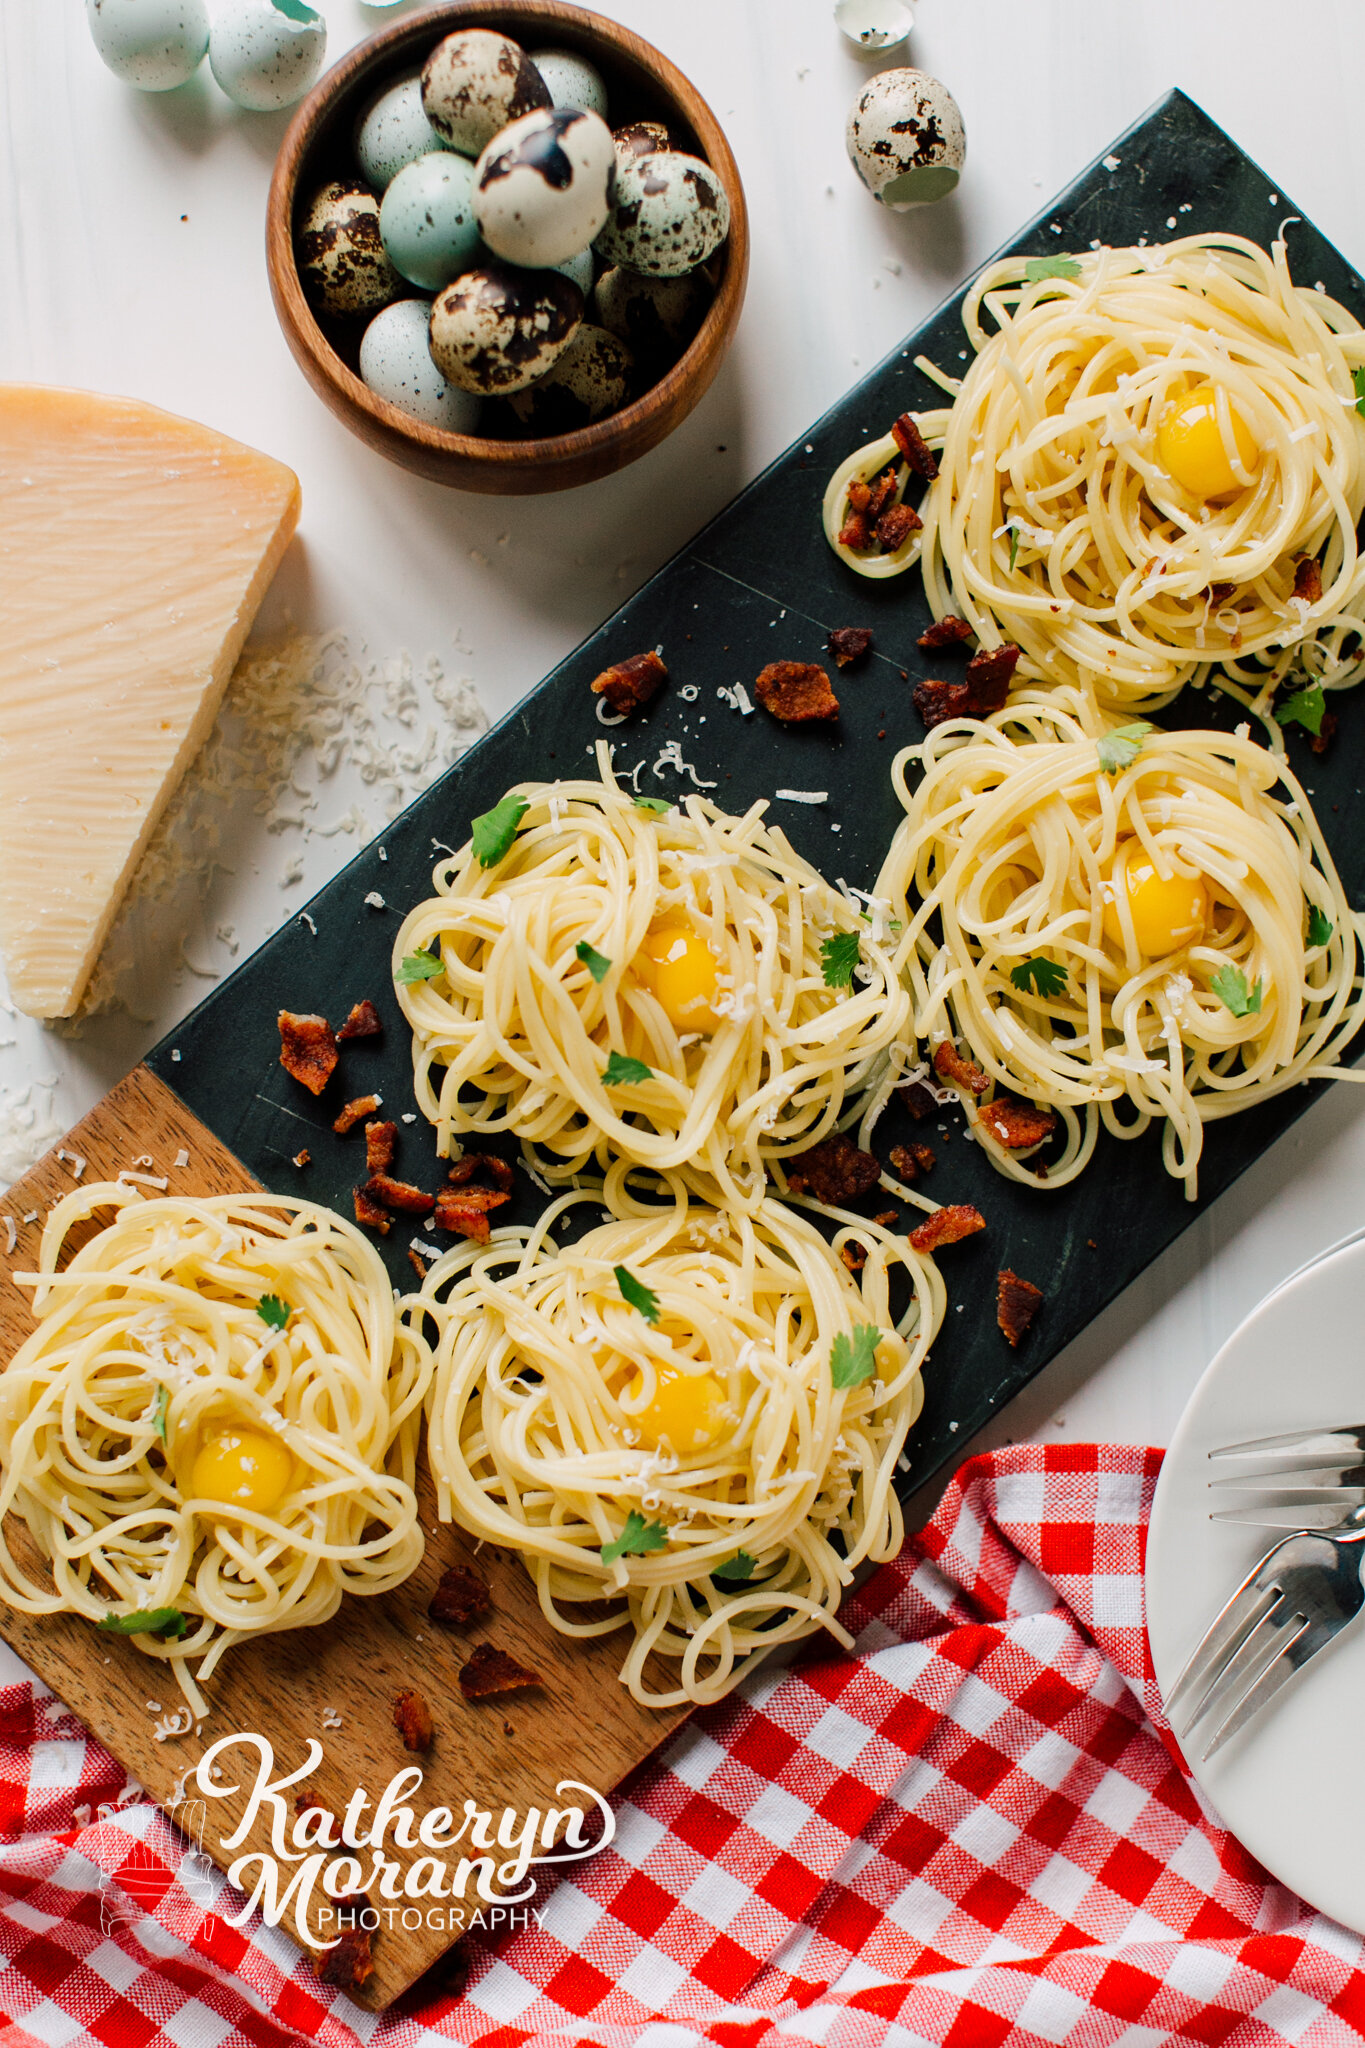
(1222, 1638)
(1326, 1479)
(1230, 1672)
(1292, 1440)
(1314, 1518)
(1276, 1672)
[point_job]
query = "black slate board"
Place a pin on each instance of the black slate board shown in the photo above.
(760, 584)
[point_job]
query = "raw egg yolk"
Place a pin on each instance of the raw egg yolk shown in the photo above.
(676, 966)
(1190, 446)
(1167, 914)
(243, 1468)
(689, 1411)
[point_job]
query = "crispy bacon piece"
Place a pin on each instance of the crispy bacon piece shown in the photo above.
(1017, 1302)
(461, 1596)
(850, 644)
(887, 1218)
(302, 1159)
(924, 1157)
(834, 1171)
(348, 1963)
(1321, 741)
(381, 1141)
(363, 1022)
(988, 676)
(1308, 579)
(399, 1194)
(415, 1261)
(949, 1065)
(1017, 1125)
(853, 1256)
(483, 1169)
(895, 527)
(855, 533)
(491, 1672)
(631, 683)
(919, 1100)
(1219, 593)
(947, 1226)
(919, 457)
(945, 632)
(937, 701)
(354, 1113)
(859, 495)
(465, 1211)
(369, 1212)
(879, 496)
(796, 692)
(308, 1050)
(910, 1161)
(412, 1719)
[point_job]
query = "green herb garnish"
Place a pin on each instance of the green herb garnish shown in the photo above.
(1014, 543)
(419, 966)
(493, 833)
(1320, 926)
(1043, 976)
(839, 957)
(1120, 748)
(155, 1621)
(636, 1539)
(597, 964)
(1230, 987)
(620, 1070)
(637, 1294)
(854, 1359)
(657, 805)
(1358, 379)
(272, 1310)
(1039, 269)
(163, 1402)
(736, 1570)
(1307, 707)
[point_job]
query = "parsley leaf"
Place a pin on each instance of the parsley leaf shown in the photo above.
(854, 1359)
(272, 1310)
(1014, 543)
(636, 1539)
(839, 957)
(163, 1402)
(637, 1294)
(1039, 268)
(1230, 987)
(1044, 977)
(1307, 708)
(493, 833)
(1320, 926)
(155, 1621)
(419, 966)
(619, 1069)
(659, 805)
(1120, 748)
(736, 1570)
(1358, 379)
(597, 964)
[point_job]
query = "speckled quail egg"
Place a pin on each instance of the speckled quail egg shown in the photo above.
(670, 213)
(543, 188)
(495, 331)
(906, 139)
(152, 44)
(654, 314)
(571, 80)
(266, 53)
(590, 380)
(394, 131)
(427, 219)
(642, 138)
(340, 251)
(581, 268)
(395, 361)
(874, 24)
(474, 83)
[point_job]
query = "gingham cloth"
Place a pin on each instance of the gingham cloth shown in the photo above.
(975, 1833)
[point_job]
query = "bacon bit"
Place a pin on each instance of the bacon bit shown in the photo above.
(796, 692)
(371, 1215)
(853, 1256)
(855, 533)
(988, 676)
(1321, 741)
(302, 1159)
(381, 1142)
(895, 527)
(1308, 579)
(924, 1157)
(630, 684)
(363, 1022)
(918, 455)
(399, 1194)
(949, 1065)
(947, 1226)
(412, 1719)
(834, 1171)
(490, 1672)
(1017, 1125)
(904, 1162)
(945, 632)
(415, 1261)
(461, 1596)
(308, 1050)
(859, 495)
(465, 1211)
(937, 701)
(1219, 593)
(880, 495)
(1017, 1302)
(348, 1963)
(850, 644)
(919, 1100)
(483, 1169)
(887, 1218)
(354, 1113)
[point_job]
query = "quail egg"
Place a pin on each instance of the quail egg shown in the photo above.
(590, 380)
(654, 314)
(495, 331)
(340, 251)
(571, 80)
(474, 83)
(394, 131)
(670, 213)
(906, 139)
(266, 53)
(543, 188)
(642, 138)
(874, 24)
(395, 361)
(427, 219)
(152, 44)
(580, 268)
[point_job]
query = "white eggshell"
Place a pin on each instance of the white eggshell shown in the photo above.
(590, 380)
(266, 53)
(874, 24)
(395, 362)
(580, 268)
(476, 82)
(152, 44)
(571, 81)
(543, 188)
(340, 253)
(394, 131)
(669, 214)
(427, 219)
(906, 140)
(495, 331)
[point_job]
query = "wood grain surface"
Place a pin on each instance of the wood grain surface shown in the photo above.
(508, 1752)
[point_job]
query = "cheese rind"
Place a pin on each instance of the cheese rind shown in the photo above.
(135, 550)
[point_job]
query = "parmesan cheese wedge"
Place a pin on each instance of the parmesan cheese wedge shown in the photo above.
(135, 550)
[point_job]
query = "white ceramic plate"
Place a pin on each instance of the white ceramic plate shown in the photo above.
(1291, 1786)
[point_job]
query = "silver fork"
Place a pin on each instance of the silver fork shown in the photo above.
(1331, 1479)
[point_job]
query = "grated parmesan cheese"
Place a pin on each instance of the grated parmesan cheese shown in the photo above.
(802, 796)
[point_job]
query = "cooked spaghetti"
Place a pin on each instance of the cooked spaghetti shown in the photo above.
(1150, 926)
(670, 986)
(1153, 467)
(214, 1427)
(691, 1416)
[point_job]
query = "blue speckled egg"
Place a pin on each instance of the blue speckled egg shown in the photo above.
(152, 44)
(265, 54)
(427, 220)
(571, 80)
(394, 131)
(395, 362)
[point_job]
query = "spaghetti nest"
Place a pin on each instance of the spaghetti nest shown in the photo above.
(1125, 544)
(667, 985)
(1149, 926)
(690, 1415)
(213, 1430)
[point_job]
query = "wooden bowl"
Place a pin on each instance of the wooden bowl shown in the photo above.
(642, 85)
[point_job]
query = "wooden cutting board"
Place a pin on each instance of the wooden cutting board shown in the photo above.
(511, 1752)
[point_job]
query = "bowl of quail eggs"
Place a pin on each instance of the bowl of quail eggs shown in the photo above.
(508, 245)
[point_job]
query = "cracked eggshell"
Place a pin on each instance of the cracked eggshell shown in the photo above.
(427, 219)
(590, 380)
(655, 315)
(494, 331)
(670, 213)
(874, 24)
(153, 44)
(394, 131)
(395, 362)
(475, 83)
(905, 139)
(266, 54)
(572, 81)
(340, 251)
(543, 188)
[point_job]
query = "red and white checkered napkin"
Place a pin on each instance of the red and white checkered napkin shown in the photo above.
(975, 1832)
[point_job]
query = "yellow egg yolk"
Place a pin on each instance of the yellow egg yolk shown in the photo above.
(1190, 446)
(676, 966)
(1167, 913)
(688, 1412)
(243, 1468)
